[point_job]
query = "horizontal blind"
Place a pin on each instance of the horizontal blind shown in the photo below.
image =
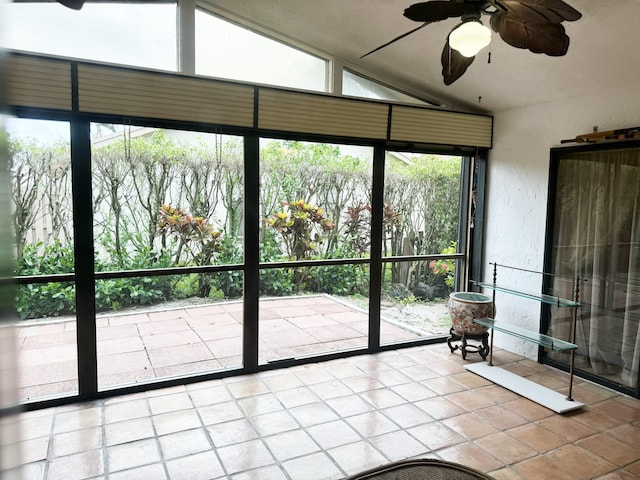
(156, 95)
(440, 127)
(38, 83)
(318, 114)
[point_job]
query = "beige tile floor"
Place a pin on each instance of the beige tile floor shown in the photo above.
(331, 419)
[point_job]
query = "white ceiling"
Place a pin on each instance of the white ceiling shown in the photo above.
(604, 53)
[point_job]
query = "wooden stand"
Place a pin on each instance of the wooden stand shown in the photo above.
(482, 349)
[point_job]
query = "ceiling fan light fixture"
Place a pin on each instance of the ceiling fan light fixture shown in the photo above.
(470, 37)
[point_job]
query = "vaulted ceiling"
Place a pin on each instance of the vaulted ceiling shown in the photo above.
(604, 53)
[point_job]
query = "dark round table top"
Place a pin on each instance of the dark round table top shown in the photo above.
(421, 469)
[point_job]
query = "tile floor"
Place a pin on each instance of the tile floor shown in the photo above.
(161, 342)
(331, 419)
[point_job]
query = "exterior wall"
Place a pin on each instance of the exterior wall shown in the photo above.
(517, 183)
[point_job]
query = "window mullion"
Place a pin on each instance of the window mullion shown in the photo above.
(186, 36)
(84, 257)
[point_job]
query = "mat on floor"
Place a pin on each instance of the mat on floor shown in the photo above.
(421, 469)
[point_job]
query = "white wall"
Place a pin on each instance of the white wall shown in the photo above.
(517, 190)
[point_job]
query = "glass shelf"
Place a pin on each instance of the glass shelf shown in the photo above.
(540, 339)
(540, 297)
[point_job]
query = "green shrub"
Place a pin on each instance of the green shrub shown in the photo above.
(274, 282)
(55, 258)
(58, 298)
(340, 280)
(228, 284)
(45, 299)
(117, 293)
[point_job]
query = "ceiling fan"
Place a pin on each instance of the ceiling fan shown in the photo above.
(75, 4)
(532, 24)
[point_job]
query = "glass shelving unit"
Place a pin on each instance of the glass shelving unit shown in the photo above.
(540, 339)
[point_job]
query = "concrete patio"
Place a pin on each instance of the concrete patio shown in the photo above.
(165, 341)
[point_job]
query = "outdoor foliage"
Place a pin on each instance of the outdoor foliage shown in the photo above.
(349, 279)
(40, 187)
(301, 226)
(45, 299)
(162, 200)
(445, 269)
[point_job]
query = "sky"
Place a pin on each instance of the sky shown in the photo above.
(145, 36)
(130, 34)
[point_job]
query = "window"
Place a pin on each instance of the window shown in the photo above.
(166, 200)
(168, 295)
(315, 203)
(226, 50)
(190, 256)
(42, 231)
(421, 218)
(358, 86)
(139, 34)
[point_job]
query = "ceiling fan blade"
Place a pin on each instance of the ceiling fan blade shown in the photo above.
(526, 14)
(558, 7)
(454, 64)
(547, 38)
(437, 10)
(540, 11)
(75, 4)
(399, 37)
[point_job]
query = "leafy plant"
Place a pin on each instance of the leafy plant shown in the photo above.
(228, 284)
(445, 268)
(273, 281)
(357, 233)
(349, 279)
(409, 300)
(300, 225)
(340, 279)
(45, 299)
(114, 294)
(55, 258)
(196, 235)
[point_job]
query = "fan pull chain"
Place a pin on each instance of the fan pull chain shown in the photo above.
(489, 58)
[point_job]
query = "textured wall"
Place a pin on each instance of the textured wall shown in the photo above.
(517, 190)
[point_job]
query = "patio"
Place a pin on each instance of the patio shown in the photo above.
(170, 340)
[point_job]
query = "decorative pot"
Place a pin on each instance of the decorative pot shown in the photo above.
(464, 307)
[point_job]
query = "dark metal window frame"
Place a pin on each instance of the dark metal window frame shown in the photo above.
(85, 276)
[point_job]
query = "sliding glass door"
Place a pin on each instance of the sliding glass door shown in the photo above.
(422, 235)
(595, 235)
(151, 253)
(168, 208)
(315, 205)
(43, 252)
